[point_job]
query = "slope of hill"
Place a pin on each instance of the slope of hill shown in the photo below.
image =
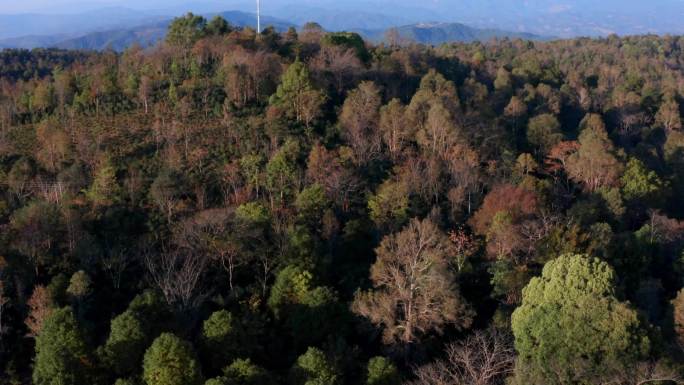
(120, 39)
(14, 26)
(439, 33)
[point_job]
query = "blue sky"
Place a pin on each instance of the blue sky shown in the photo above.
(558, 18)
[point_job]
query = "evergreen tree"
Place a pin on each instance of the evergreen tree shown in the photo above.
(61, 352)
(171, 361)
(571, 328)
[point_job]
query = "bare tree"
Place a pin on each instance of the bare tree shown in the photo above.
(483, 358)
(213, 233)
(177, 274)
(645, 373)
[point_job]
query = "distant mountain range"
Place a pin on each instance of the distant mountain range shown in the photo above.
(561, 18)
(121, 38)
(438, 33)
(149, 34)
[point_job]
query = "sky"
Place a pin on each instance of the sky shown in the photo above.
(75, 6)
(561, 18)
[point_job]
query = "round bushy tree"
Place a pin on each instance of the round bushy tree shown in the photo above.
(313, 368)
(381, 371)
(126, 344)
(171, 361)
(221, 338)
(571, 325)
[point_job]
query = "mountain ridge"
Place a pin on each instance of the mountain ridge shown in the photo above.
(432, 33)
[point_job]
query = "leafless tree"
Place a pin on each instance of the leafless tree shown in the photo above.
(213, 233)
(483, 358)
(645, 373)
(178, 274)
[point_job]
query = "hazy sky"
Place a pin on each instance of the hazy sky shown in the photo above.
(545, 17)
(71, 6)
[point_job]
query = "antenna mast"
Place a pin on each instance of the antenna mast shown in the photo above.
(258, 16)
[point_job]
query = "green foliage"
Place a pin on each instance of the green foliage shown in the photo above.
(295, 85)
(390, 205)
(381, 371)
(311, 202)
(244, 372)
(105, 189)
(218, 26)
(117, 162)
(61, 353)
(314, 368)
(171, 361)
(222, 338)
(281, 170)
(308, 311)
(543, 132)
(572, 328)
(292, 286)
(640, 183)
(126, 344)
(253, 213)
(124, 381)
(349, 40)
(186, 30)
(80, 284)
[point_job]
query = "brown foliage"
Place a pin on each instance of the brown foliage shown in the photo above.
(359, 118)
(40, 307)
(517, 201)
(414, 290)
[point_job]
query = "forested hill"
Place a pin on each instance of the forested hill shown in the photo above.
(441, 33)
(308, 208)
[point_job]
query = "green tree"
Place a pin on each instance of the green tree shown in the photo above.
(126, 344)
(186, 30)
(543, 132)
(389, 206)
(104, 189)
(295, 92)
(281, 171)
(381, 371)
(171, 361)
(244, 372)
(310, 312)
(571, 328)
(638, 182)
(218, 26)
(61, 353)
(349, 40)
(311, 203)
(222, 338)
(594, 164)
(80, 285)
(314, 368)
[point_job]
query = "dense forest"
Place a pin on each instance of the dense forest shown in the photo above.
(305, 208)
